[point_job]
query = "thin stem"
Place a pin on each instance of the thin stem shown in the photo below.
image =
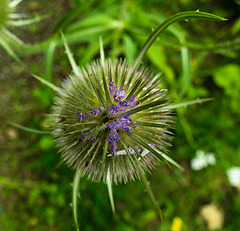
(177, 17)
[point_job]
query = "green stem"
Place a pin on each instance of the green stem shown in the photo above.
(175, 18)
(110, 192)
(76, 182)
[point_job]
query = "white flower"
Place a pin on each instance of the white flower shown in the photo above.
(202, 160)
(234, 176)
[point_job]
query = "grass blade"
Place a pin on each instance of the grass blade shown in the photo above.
(70, 56)
(9, 50)
(102, 55)
(49, 60)
(51, 85)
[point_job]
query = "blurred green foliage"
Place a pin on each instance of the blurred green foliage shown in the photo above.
(197, 58)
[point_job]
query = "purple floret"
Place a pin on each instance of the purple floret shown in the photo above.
(96, 111)
(131, 150)
(83, 115)
(122, 106)
(112, 87)
(113, 111)
(82, 137)
(152, 145)
(113, 148)
(132, 102)
(113, 136)
(119, 95)
(126, 127)
(113, 125)
(125, 120)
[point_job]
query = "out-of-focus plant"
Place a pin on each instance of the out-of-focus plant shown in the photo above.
(10, 18)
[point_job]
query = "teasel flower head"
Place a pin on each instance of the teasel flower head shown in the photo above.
(112, 119)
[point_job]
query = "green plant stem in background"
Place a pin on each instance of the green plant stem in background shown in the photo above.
(175, 18)
(4, 11)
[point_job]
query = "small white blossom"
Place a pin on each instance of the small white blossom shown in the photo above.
(202, 160)
(234, 176)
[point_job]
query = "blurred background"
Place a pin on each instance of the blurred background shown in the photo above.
(197, 59)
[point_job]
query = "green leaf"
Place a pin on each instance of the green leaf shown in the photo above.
(130, 48)
(75, 194)
(157, 56)
(228, 77)
(72, 15)
(185, 57)
(27, 129)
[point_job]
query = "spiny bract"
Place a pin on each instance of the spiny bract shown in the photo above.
(111, 119)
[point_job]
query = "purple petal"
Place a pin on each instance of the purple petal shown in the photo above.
(113, 136)
(81, 138)
(113, 148)
(83, 115)
(125, 120)
(119, 95)
(92, 138)
(135, 124)
(138, 149)
(122, 106)
(126, 128)
(113, 111)
(96, 111)
(131, 150)
(152, 145)
(132, 102)
(113, 125)
(112, 87)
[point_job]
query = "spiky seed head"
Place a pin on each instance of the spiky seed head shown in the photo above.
(111, 118)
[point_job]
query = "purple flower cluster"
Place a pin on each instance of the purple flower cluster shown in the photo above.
(118, 97)
(81, 138)
(124, 122)
(96, 111)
